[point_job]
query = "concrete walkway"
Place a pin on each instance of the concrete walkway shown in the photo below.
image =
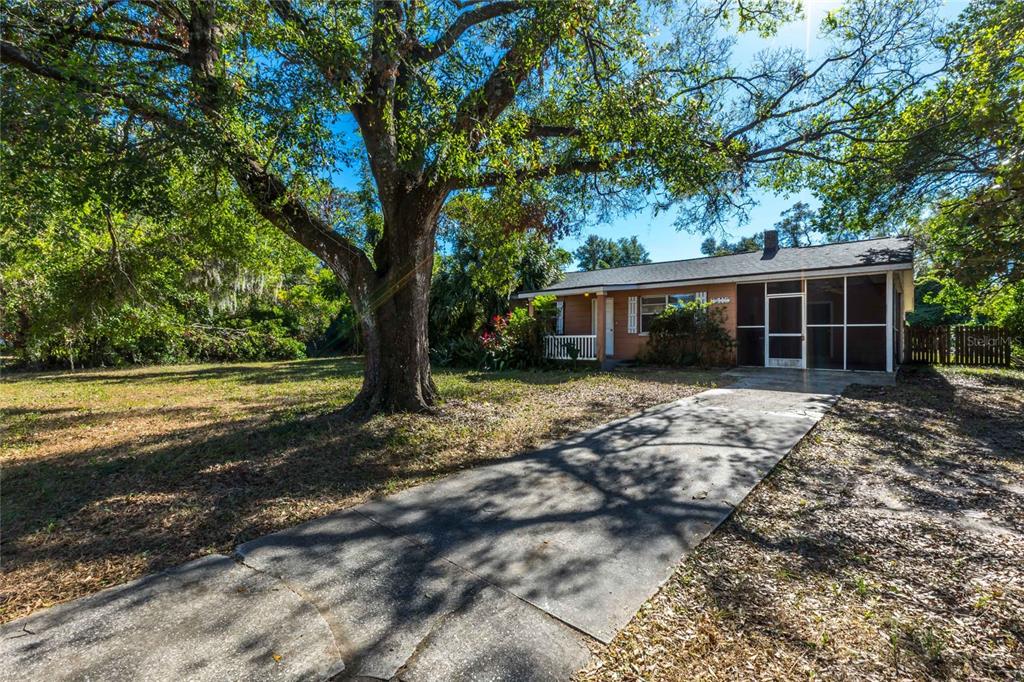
(503, 572)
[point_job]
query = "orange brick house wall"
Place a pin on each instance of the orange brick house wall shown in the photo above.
(577, 314)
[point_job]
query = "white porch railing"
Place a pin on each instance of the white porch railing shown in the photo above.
(556, 347)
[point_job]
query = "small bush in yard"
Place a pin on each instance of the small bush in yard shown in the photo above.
(516, 342)
(689, 334)
(265, 340)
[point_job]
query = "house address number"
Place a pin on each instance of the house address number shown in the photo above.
(721, 300)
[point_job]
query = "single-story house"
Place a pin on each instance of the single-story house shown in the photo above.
(833, 306)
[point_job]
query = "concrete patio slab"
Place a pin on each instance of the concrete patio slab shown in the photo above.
(392, 606)
(209, 619)
(498, 573)
(588, 529)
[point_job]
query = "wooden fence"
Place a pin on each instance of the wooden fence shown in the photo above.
(960, 345)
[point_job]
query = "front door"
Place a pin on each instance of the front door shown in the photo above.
(609, 326)
(785, 337)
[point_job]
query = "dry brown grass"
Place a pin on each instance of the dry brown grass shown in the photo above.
(888, 545)
(108, 475)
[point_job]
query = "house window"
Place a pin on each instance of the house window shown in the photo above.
(651, 306)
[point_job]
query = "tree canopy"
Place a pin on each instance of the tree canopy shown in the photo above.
(597, 253)
(168, 264)
(947, 162)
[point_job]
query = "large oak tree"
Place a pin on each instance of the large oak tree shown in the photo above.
(598, 103)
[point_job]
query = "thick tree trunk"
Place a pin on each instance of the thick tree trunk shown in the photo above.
(390, 294)
(393, 310)
(397, 360)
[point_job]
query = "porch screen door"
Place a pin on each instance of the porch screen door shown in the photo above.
(785, 330)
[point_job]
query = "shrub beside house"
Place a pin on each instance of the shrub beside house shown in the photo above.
(688, 334)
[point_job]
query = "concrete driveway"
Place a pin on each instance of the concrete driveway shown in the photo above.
(503, 572)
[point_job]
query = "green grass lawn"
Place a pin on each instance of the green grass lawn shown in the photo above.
(110, 474)
(889, 545)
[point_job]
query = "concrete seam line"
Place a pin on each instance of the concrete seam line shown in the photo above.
(339, 649)
(481, 578)
(421, 645)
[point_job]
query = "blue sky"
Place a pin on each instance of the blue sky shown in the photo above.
(658, 233)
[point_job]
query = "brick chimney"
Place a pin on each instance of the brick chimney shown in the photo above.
(771, 241)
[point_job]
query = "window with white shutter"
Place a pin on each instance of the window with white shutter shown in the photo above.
(631, 323)
(560, 321)
(702, 296)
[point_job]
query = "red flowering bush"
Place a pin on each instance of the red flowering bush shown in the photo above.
(513, 341)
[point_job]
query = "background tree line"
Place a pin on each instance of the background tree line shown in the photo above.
(598, 253)
(106, 263)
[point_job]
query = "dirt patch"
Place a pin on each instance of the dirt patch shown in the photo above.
(888, 545)
(108, 475)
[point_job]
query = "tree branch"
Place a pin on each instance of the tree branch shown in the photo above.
(131, 42)
(273, 201)
(12, 54)
(485, 103)
(463, 23)
(540, 130)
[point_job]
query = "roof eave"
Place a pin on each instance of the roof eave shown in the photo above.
(758, 277)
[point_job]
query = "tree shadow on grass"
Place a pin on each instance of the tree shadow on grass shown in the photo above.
(33, 422)
(228, 478)
(257, 373)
